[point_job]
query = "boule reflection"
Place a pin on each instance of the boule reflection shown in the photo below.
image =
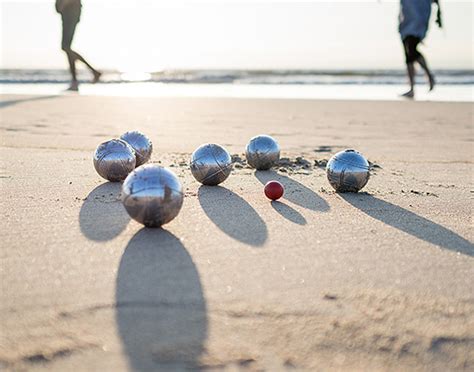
(348, 171)
(211, 164)
(262, 152)
(152, 195)
(141, 144)
(114, 160)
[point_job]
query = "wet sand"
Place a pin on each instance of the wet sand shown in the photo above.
(380, 280)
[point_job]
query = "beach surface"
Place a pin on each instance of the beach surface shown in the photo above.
(380, 280)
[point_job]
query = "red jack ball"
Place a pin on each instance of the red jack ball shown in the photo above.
(273, 190)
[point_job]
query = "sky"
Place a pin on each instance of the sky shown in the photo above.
(150, 35)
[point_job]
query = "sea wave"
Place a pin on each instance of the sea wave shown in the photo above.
(260, 77)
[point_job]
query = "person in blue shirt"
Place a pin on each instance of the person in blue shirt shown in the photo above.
(414, 22)
(70, 11)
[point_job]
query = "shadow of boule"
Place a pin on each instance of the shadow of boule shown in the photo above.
(409, 222)
(295, 192)
(102, 216)
(233, 215)
(289, 213)
(160, 306)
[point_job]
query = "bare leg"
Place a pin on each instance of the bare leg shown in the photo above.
(411, 78)
(69, 28)
(96, 73)
(421, 60)
(72, 68)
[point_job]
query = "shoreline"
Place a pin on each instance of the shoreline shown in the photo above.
(365, 92)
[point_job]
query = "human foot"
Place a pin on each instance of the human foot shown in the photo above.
(432, 82)
(409, 94)
(97, 75)
(74, 87)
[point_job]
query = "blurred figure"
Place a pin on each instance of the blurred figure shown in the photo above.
(70, 11)
(414, 22)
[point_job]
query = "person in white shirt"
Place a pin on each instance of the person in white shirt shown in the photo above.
(413, 26)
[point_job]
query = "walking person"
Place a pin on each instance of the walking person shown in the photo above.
(70, 11)
(414, 22)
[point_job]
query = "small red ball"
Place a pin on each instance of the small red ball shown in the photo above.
(273, 190)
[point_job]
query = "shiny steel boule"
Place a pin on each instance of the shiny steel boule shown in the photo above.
(262, 152)
(211, 164)
(114, 160)
(348, 171)
(152, 195)
(141, 144)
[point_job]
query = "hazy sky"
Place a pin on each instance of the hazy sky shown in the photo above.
(148, 35)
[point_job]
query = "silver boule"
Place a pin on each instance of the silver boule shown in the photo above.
(348, 171)
(140, 143)
(114, 160)
(211, 164)
(262, 152)
(152, 195)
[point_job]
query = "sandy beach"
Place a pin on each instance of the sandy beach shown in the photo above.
(380, 280)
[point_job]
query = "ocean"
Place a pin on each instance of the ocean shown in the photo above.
(452, 85)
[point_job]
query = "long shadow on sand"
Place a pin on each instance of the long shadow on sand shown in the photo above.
(410, 223)
(295, 192)
(233, 215)
(13, 102)
(160, 306)
(102, 216)
(289, 213)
